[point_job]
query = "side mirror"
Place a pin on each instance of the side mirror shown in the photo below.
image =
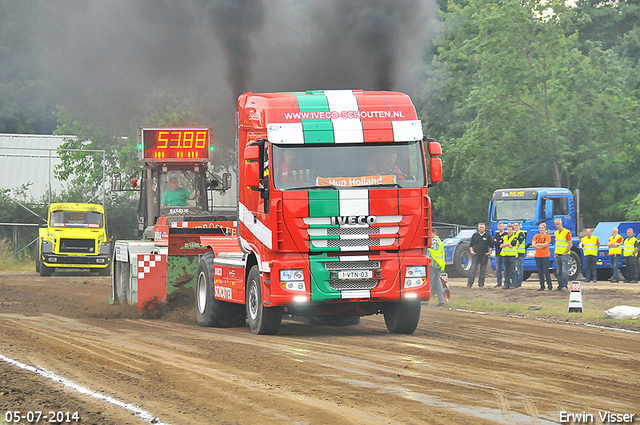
(116, 182)
(252, 153)
(226, 180)
(252, 174)
(435, 170)
(434, 148)
(252, 166)
(42, 222)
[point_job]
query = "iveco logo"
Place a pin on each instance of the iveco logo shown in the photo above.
(353, 219)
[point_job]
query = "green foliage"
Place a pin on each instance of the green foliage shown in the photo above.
(518, 105)
(15, 207)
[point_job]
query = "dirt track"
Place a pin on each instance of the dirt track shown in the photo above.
(458, 367)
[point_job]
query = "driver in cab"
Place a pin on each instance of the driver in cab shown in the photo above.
(175, 195)
(386, 165)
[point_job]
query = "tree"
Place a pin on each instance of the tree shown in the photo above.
(536, 110)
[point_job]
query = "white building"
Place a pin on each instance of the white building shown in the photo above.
(31, 158)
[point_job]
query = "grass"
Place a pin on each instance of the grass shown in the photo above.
(8, 262)
(593, 309)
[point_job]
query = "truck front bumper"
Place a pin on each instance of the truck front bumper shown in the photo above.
(76, 261)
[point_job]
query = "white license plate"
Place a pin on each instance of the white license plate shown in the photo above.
(355, 274)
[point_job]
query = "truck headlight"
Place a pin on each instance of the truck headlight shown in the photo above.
(415, 276)
(293, 280)
(531, 253)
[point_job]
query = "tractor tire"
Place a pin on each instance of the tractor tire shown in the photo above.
(262, 320)
(462, 260)
(121, 283)
(209, 310)
(402, 317)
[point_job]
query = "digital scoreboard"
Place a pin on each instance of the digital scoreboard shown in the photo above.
(175, 144)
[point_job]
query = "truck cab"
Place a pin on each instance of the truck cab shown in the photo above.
(532, 206)
(334, 216)
(73, 236)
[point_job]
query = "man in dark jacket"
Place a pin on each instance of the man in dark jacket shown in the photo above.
(480, 248)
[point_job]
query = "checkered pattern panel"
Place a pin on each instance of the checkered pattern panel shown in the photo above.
(147, 263)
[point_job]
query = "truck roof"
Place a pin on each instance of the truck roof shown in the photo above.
(331, 116)
(75, 206)
(529, 192)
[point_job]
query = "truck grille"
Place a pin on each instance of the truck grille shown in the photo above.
(340, 285)
(345, 265)
(68, 245)
(322, 236)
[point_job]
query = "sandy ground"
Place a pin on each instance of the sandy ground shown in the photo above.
(458, 367)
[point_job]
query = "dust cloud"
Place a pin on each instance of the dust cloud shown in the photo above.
(114, 62)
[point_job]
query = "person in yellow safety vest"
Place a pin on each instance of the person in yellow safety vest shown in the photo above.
(562, 253)
(631, 257)
(521, 236)
(436, 253)
(615, 243)
(590, 245)
(509, 254)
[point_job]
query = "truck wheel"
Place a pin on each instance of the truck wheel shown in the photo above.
(209, 310)
(575, 265)
(335, 320)
(462, 260)
(402, 317)
(526, 275)
(105, 272)
(38, 259)
(262, 320)
(121, 283)
(44, 270)
(604, 274)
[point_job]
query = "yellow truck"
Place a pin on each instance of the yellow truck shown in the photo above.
(73, 237)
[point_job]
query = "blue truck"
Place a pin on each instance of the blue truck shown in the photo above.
(457, 257)
(532, 206)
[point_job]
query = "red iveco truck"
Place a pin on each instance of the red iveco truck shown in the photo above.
(333, 213)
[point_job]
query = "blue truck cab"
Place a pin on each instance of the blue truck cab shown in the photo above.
(532, 206)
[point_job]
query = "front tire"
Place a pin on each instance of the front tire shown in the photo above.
(402, 317)
(575, 266)
(262, 320)
(121, 283)
(105, 272)
(209, 310)
(38, 259)
(462, 259)
(44, 270)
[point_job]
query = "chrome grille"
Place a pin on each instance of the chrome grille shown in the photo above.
(353, 231)
(352, 242)
(340, 285)
(345, 265)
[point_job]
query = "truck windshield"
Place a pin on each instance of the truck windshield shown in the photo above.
(180, 189)
(335, 165)
(514, 209)
(79, 219)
